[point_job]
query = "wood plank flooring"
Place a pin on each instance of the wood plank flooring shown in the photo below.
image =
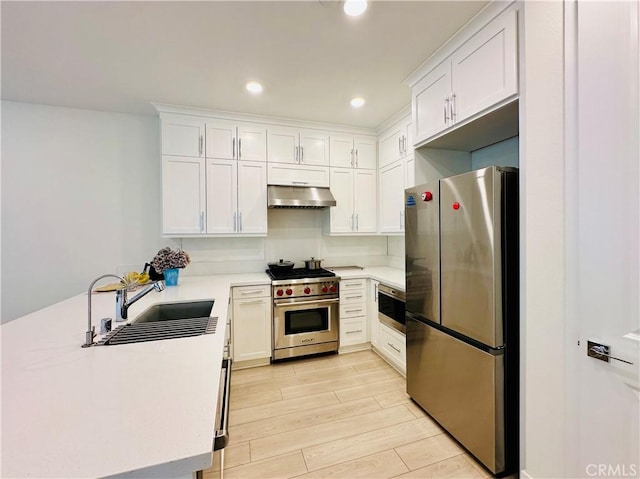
(341, 416)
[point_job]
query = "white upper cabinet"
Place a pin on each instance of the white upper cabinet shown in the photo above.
(236, 197)
(479, 75)
(395, 143)
(183, 195)
(355, 210)
(183, 136)
(298, 146)
(391, 211)
(352, 152)
(236, 140)
(484, 70)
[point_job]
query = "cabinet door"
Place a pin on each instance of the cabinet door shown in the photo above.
(183, 195)
(341, 216)
(485, 69)
(314, 148)
(391, 145)
(297, 175)
(252, 142)
(392, 198)
(251, 329)
(364, 200)
(365, 153)
(341, 151)
(222, 180)
(182, 136)
(282, 145)
(252, 197)
(221, 139)
(430, 104)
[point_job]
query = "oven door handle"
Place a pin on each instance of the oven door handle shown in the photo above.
(305, 303)
(222, 434)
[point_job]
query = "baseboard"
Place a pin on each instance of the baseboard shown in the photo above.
(252, 363)
(354, 347)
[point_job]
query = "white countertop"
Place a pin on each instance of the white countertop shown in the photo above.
(148, 407)
(393, 277)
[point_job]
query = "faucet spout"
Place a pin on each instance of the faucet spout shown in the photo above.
(123, 303)
(91, 330)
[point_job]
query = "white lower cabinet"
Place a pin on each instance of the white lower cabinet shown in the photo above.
(392, 345)
(251, 323)
(353, 313)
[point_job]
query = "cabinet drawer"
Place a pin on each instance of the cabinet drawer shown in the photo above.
(258, 291)
(353, 310)
(352, 331)
(393, 344)
(352, 297)
(352, 284)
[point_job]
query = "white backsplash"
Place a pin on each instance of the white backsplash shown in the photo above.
(293, 235)
(395, 249)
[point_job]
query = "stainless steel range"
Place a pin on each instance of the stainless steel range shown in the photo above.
(305, 312)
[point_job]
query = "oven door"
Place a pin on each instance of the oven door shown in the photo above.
(391, 309)
(302, 323)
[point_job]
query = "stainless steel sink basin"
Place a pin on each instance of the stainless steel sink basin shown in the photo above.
(165, 321)
(169, 311)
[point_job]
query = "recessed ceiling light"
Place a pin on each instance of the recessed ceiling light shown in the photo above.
(357, 102)
(254, 87)
(353, 8)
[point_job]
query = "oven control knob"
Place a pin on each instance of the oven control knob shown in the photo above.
(289, 292)
(325, 289)
(333, 288)
(307, 290)
(279, 292)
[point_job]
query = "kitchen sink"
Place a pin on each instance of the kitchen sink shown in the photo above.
(165, 321)
(171, 311)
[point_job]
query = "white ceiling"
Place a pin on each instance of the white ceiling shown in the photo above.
(310, 57)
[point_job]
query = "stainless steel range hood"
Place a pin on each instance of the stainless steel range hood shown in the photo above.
(299, 197)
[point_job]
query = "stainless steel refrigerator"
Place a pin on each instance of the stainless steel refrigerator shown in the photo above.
(462, 304)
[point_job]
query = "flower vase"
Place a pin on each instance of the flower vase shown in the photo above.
(171, 276)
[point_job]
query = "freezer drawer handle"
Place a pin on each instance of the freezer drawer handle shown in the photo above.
(601, 352)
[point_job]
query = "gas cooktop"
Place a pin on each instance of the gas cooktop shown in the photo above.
(300, 273)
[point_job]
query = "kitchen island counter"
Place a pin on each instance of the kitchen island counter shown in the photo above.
(134, 410)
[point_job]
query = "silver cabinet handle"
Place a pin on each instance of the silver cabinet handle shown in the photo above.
(353, 297)
(239, 148)
(253, 291)
(302, 154)
(202, 221)
(402, 220)
(356, 158)
(221, 438)
(254, 301)
(404, 144)
(200, 146)
(357, 222)
(354, 331)
(446, 109)
(233, 148)
(453, 106)
(601, 352)
(400, 145)
(352, 227)
(235, 222)
(297, 154)
(352, 310)
(352, 157)
(352, 285)
(393, 347)
(240, 221)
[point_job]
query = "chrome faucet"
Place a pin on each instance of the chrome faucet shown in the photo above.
(122, 304)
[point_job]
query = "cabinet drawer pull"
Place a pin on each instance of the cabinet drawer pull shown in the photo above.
(253, 291)
(393, 347)
(254, 301)
(239, 148)
(351, 285)
(356, 331)
(353, 310)
(453, 106)
(353, 297)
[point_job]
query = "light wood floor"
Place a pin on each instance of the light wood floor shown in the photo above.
(341, 416)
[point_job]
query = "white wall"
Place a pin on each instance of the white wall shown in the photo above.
(80, 197)
(504, 153)
(543, 336)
